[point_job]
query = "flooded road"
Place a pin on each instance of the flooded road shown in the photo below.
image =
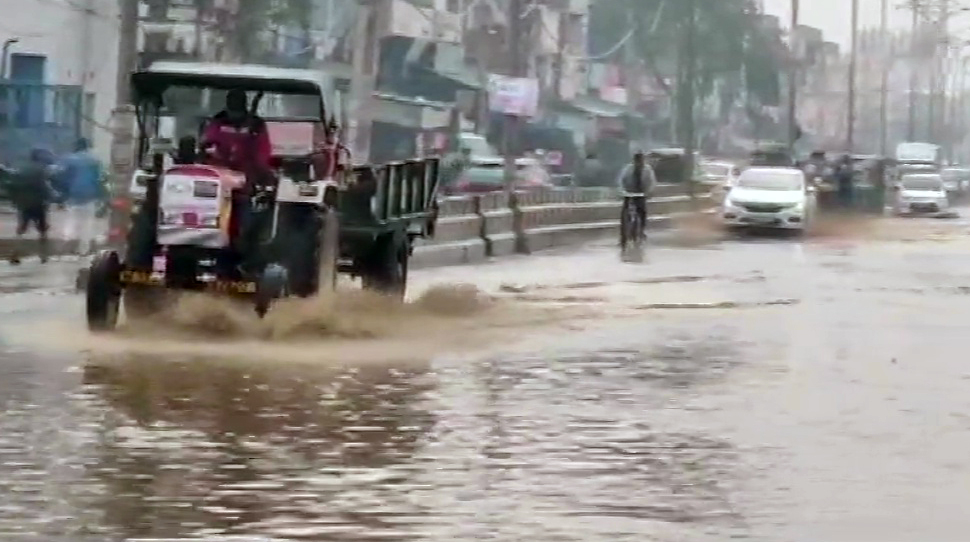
(758, 389)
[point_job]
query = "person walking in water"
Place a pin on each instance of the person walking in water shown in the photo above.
(31, 193)
(83, 193)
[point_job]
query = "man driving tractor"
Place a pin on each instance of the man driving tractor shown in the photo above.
(237, 138)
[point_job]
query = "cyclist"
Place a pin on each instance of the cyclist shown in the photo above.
(636, 181)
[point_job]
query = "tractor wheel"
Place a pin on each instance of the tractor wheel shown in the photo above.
(386, 271)
(103, 292)
(272, 285)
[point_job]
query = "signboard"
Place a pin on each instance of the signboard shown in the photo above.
(291, 138)
(517, 96)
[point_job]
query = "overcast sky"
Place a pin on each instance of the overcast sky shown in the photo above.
(834, 16)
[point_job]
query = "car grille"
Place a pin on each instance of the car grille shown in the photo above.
(763, 207)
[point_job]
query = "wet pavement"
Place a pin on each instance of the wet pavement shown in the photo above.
(756, 389)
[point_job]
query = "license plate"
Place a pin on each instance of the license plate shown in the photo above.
(190, 220)
(308, 191)
(761, 219)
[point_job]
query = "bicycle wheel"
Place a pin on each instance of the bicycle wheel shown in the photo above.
(637, 231)
(627, 222)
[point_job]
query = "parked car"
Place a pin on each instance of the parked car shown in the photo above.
(772, 197)
(921, 193)
(722, 174)
(956, 181)
(480, 149)
(484, 177)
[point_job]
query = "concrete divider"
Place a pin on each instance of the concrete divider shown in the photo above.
(523, 222)
(476, 227)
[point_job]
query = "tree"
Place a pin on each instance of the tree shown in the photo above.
(736, 54)
(247, 33)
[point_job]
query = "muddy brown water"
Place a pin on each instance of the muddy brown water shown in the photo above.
(760, 389)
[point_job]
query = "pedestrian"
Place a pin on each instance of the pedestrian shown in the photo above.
(844, 178)
(84, 192)
(31, 194)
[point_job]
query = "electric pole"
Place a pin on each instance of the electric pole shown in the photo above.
(127, 50)
(913, 71)
(687, 95)
(853, 58)
(123, 126)
(933, 86)
(793, 73)
(516, 66)
(560, 66)
(884, 83)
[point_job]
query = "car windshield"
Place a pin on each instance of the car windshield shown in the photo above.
(716, 170)
(922, 182)
(760, 180)
(477, 144)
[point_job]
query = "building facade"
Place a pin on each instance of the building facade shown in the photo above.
(60, 64)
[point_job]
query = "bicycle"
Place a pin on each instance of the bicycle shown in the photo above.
(631, 225)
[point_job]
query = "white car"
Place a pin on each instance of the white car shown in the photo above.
(956, 180)
(720, 174)
(771, 197)
(919, 193)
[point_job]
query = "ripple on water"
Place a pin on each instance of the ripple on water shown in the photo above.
(571, 447)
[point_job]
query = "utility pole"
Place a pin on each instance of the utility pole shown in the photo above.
(127, 50)
(359, 102)
(884, 83)
(793, 73)
(517, 66)
(686, 93)
(853, 58)
(913, 70)
(935, 68)
(123, 125)
(560, 66)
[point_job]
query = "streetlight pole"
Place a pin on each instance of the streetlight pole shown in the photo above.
(853, 57)
(6, 54)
